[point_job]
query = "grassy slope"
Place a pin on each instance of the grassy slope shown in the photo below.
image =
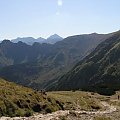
(21, 101)
(78, 100)
(70, 100)
(88, 101)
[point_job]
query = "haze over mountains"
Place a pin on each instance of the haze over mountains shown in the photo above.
(30, 40)
(39, 64)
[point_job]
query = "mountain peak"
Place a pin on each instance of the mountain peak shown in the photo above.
(94, 33)
(6, 41)
(55, 36)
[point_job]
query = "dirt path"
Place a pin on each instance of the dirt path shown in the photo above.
(61, 113)
(109, 109)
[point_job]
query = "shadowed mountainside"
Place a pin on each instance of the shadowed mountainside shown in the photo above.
(99, 71)
(38, 64)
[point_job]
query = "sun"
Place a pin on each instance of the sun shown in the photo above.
(60, 2)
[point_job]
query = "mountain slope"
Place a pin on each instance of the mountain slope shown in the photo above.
(17, 53)
(39, 64)
(99, 71)
(16, 100)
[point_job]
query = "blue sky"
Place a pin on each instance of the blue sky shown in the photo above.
(22, 18)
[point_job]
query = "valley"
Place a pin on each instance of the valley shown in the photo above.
(40, 64)
(76, 78)
(59, 60)
(65, 70)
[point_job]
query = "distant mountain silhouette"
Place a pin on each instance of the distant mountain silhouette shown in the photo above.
(30, 40)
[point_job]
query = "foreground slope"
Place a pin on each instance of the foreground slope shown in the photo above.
(81, 106)
(99, 71)
(21, 101)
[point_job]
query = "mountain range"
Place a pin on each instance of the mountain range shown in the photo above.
(38, 65)
(98, 72)
(30, 40)
(89, 63)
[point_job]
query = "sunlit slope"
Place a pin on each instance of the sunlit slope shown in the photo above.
(16, 100)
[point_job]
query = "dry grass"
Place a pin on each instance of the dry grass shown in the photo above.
(78, 99)
(16, 100)
(101, 118)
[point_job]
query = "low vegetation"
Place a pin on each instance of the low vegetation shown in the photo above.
(21, 101)
(77, 100)
(101, 118)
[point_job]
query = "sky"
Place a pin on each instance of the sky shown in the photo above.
(42, 18)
